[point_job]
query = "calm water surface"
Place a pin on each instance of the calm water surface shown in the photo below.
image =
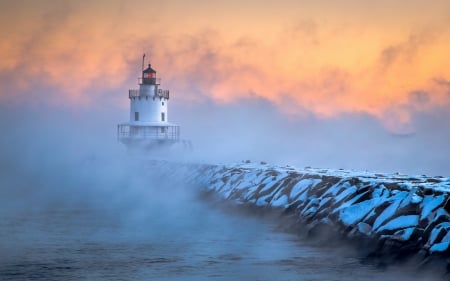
(197, 242)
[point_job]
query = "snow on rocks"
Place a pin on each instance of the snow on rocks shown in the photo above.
(386, 214)
(412, 211)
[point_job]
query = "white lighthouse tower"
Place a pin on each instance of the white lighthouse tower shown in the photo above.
(148, 126)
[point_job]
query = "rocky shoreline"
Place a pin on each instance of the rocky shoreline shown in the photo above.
(390, 217)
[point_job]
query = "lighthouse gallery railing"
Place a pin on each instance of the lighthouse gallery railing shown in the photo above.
(160, 93)
(127, 131)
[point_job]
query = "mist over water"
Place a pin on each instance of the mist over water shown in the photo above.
(256, 129)
(106, 225)
(76, 205)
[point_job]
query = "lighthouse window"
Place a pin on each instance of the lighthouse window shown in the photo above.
(163, 116)
(162, 103)
(136, 116)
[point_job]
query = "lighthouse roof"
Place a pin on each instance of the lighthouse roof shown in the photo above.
(149, 69)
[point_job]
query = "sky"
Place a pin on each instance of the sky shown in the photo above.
(351, 84)
(337, 78)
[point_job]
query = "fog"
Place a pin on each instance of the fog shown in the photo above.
(257, 130)
(69, 158)
(74, 151)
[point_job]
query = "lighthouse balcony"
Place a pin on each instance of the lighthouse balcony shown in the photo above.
(160, 93)
(127, 132)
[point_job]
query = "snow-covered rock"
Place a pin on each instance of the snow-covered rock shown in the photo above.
(410, 210)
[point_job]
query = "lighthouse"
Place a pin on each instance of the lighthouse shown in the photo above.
(149, 126)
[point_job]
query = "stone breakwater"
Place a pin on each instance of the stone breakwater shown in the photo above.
(390, 214)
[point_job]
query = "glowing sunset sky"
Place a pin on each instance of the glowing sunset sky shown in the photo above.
(384, 58)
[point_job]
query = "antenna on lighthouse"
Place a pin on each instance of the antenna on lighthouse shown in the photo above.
(143, 62)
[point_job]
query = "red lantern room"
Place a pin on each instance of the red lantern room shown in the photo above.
(149, 76)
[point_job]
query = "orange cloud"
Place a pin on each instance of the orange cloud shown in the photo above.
(354, 57)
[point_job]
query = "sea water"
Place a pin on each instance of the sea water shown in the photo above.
(158, 241)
